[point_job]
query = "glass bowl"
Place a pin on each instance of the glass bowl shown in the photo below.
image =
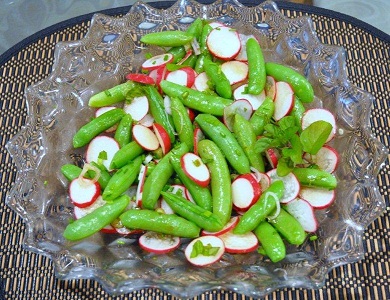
(57, 107)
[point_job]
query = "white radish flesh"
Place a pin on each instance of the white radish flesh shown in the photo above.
(242, 55)
(326, 159)
(157, 61)
(102, 144)
(303, 212)
(242, 107)
(235, 71)
(291, 185)
(162, 137)
(195, 169)
(137, 108)
(83, 192)
(319, 114)
(240, 243)
(245, 192)
(140, 186)
(205, 260)
(284, 100)
(254, 100)
(318, 198)
(228, 227)
(224, 42)
(184, 76)
(158, 243)
(145, 137)
(80, 212)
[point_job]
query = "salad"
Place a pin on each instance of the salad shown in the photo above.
(208, 145)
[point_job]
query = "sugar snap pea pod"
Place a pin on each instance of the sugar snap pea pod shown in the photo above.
(178, 53)
(218, 78)
(170, 38)
(156, 106)
(98, 125)
(126, 154)
(315, 178)
(112, 95)
(96, 220)
(195, 99)
(262, 116)
(122, 179)
(204, 53)
(182, 123)
(261, 209)
(155, 221)
(201, 217)
(71, 171)
(256, 67)
(123, 131)
(195, 28)
(271, 241)
(301, 86)
(159, 177)
(220, 181)
(289, 227)
(298, 110)
(221, 135)
(246, 137)
(201, 195)
(190, 61)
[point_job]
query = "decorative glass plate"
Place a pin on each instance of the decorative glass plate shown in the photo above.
(57, 107)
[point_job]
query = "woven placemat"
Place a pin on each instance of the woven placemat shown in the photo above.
(26, 275)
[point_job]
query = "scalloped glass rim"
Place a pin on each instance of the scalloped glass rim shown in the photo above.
(110, 49)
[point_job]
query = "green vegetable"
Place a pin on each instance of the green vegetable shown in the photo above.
(256, 67)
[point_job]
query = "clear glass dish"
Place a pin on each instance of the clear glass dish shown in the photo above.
(57, 107)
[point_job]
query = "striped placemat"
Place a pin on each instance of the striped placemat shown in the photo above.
(26, 275)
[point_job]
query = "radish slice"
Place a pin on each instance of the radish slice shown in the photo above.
(199, 258)
(245, 191)
(198, 136)
(319, 114)
(195, 169)
(318, 198)
(145, 137)
(326, 159)
(254, 100)
(188, 54)
(163, 137)
(166, 208)
(304, 213)
(191, 114)
(158, 243)
(141, 78)
(262, 178)
(235, 71)
(140, 186)
(99, 145)
(83, 192)
(284, 100)
(272, 155)
(101, 111)
(228, 227)
(291, 185)
(270, 87)
(223, 42)
(147, 121)
(167, 105)
(137, 108)
(242, 55)
(80, 212)
(201, 82)
(242, 107)
(240, 243)
(184, 76)
(157, 61)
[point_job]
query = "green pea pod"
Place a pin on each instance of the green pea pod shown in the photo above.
(271, 241)
(201, 217)
(178, 53)
(315, 178)
(298, 110)
(195, 28)
(220, 181)
(221, 135)
(204, 53)
(182, 123)
(289, 228)
(218, 78)
(257, 76)
(71, 171)
(157, 109)
(301, 86)
(262, 116)
(261, 209)
(201, 195)
(113, 95)
(159, 222)
(126, 154)
(246, 137)
(171, 38)
(159, 177)
(190, 61)
(96, 220)
(195, 99)
(123, 131)
(122, 179)
(98, 125)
